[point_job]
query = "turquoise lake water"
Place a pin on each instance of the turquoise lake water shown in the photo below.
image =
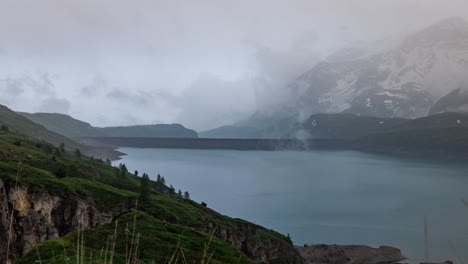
(334, 197)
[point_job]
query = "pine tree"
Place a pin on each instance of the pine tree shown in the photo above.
(136, 173)
(108, 162)
(172, 191)
(179, 194)
(158, 179)
(62, 147)
(78, 153)
(57, 153)
(186, 195)
(5, 128)
(145, 190)
(123, 170)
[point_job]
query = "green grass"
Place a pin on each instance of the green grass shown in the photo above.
(158, 242)
(166, 224)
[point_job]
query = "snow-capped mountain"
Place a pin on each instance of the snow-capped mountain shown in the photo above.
(401, 81)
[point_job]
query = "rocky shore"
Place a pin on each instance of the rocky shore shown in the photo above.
(352, 254)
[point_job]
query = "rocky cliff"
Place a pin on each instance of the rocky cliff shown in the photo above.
(29, 217)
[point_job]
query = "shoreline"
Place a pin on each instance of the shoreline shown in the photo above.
(109, 146)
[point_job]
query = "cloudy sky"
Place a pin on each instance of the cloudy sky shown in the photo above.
(202, 63)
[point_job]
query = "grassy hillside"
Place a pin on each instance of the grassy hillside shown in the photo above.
(166, 225)
(64, 125)
(158, 242)
(22, 125)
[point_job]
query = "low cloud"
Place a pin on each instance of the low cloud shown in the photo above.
(128, 96)
(54, 105)
(212, 101)
(94, 88)
(11, 87)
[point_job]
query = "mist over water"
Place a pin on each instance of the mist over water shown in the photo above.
(335, 197)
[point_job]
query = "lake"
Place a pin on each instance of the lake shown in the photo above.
(333, 197)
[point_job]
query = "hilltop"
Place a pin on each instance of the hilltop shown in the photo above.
(76, 129)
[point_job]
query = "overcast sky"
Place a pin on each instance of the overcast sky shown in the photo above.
(202, 63)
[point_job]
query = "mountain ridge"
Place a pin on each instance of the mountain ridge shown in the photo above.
(403, 78)
(74, 128)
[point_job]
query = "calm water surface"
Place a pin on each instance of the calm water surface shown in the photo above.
(338, 197)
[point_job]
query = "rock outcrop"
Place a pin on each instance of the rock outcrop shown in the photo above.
(336, 254)
(28, 217)
(253, 241)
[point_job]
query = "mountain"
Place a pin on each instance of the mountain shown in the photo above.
(160, 130)
(402, 81)
(455, 101)
(64, 124)
(73, 128)
(400, 77)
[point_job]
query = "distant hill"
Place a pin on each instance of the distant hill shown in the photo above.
(160, 131)
(73, 128)
(449, 142)
(22, 125)
(346, 126)
(444, 120)
(258, 126)
(64, 124)
(232, 132)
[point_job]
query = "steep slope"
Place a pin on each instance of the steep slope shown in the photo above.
(23, 125)
(455, 101)
(64, 124)
(48, 198)
(403, 81)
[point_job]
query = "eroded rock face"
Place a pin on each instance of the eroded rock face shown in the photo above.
(336, 254)
(36, 217)
(251, 240)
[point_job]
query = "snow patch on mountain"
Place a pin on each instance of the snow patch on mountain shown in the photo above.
(403, 81)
